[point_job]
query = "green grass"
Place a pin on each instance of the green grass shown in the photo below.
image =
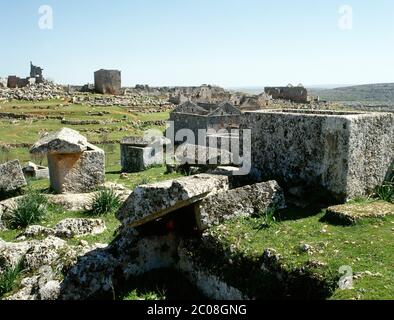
(106, 201)
(386, 192)
(366, 247)
(28, 131)
(9, 278)
(29, 209)
(135, 295)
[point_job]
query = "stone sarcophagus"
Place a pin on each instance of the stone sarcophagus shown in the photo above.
(75, 166)
(344, 154)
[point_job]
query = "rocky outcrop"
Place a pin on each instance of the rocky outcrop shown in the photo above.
(11, 176)
(70, 228)
(67, 229)
(44, 262)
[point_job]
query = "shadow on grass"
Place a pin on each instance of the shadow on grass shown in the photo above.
(167, 284)
(296, 213)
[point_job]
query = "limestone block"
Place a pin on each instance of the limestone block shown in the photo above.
(245, 201)
(137, 159)
(64, 141)
(150, 202)
(345, 154)
(11, 176)
(78, 172)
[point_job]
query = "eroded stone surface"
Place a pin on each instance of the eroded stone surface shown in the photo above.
(245, 201)
(64, 141)
(353, 212)
(11, 176)
(346, 154)
(69, 228)
(152, 201)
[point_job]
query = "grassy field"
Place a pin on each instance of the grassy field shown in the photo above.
(118, 121)
(365, 250)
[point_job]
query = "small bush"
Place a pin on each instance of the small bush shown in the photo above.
(104, 202)
(385, 192)
(9, 278)
(135, 295)
(266, 219)
(30, 209)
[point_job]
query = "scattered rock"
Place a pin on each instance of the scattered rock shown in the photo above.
(44, 252)
(70, 228)
(11, 176)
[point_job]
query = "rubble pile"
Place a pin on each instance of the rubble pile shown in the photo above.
(123, 101)
(34, 92)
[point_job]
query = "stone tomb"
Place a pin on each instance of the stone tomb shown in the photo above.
(75, 166)
(139, 154)
(343, 154)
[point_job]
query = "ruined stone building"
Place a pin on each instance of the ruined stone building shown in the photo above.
(250, 103)
(36, 76)
(206, 116)
(36, 73)
(108, 81)
(202, 94)
(295, 94)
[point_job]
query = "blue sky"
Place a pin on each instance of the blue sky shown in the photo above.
(191, 42)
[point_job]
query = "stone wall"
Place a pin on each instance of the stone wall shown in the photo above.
(346, 154)
(295, 94)
(108, 81)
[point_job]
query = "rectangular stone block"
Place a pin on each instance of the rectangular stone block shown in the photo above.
(11, 176)
(137, 159)
(242, 202)
(77, 172)
(346, 154)
(150, 202)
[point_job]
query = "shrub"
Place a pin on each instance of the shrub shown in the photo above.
(266, 219)
(9, 277)
(104, 202)
(29, 209)
(385, 192)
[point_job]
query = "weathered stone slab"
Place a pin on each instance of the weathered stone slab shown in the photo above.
(242, 202)
(150, 202)
(64, 141)
(345, 154)
(11, 176)
(352, 213)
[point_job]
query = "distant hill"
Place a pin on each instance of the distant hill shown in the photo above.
(382, 93)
